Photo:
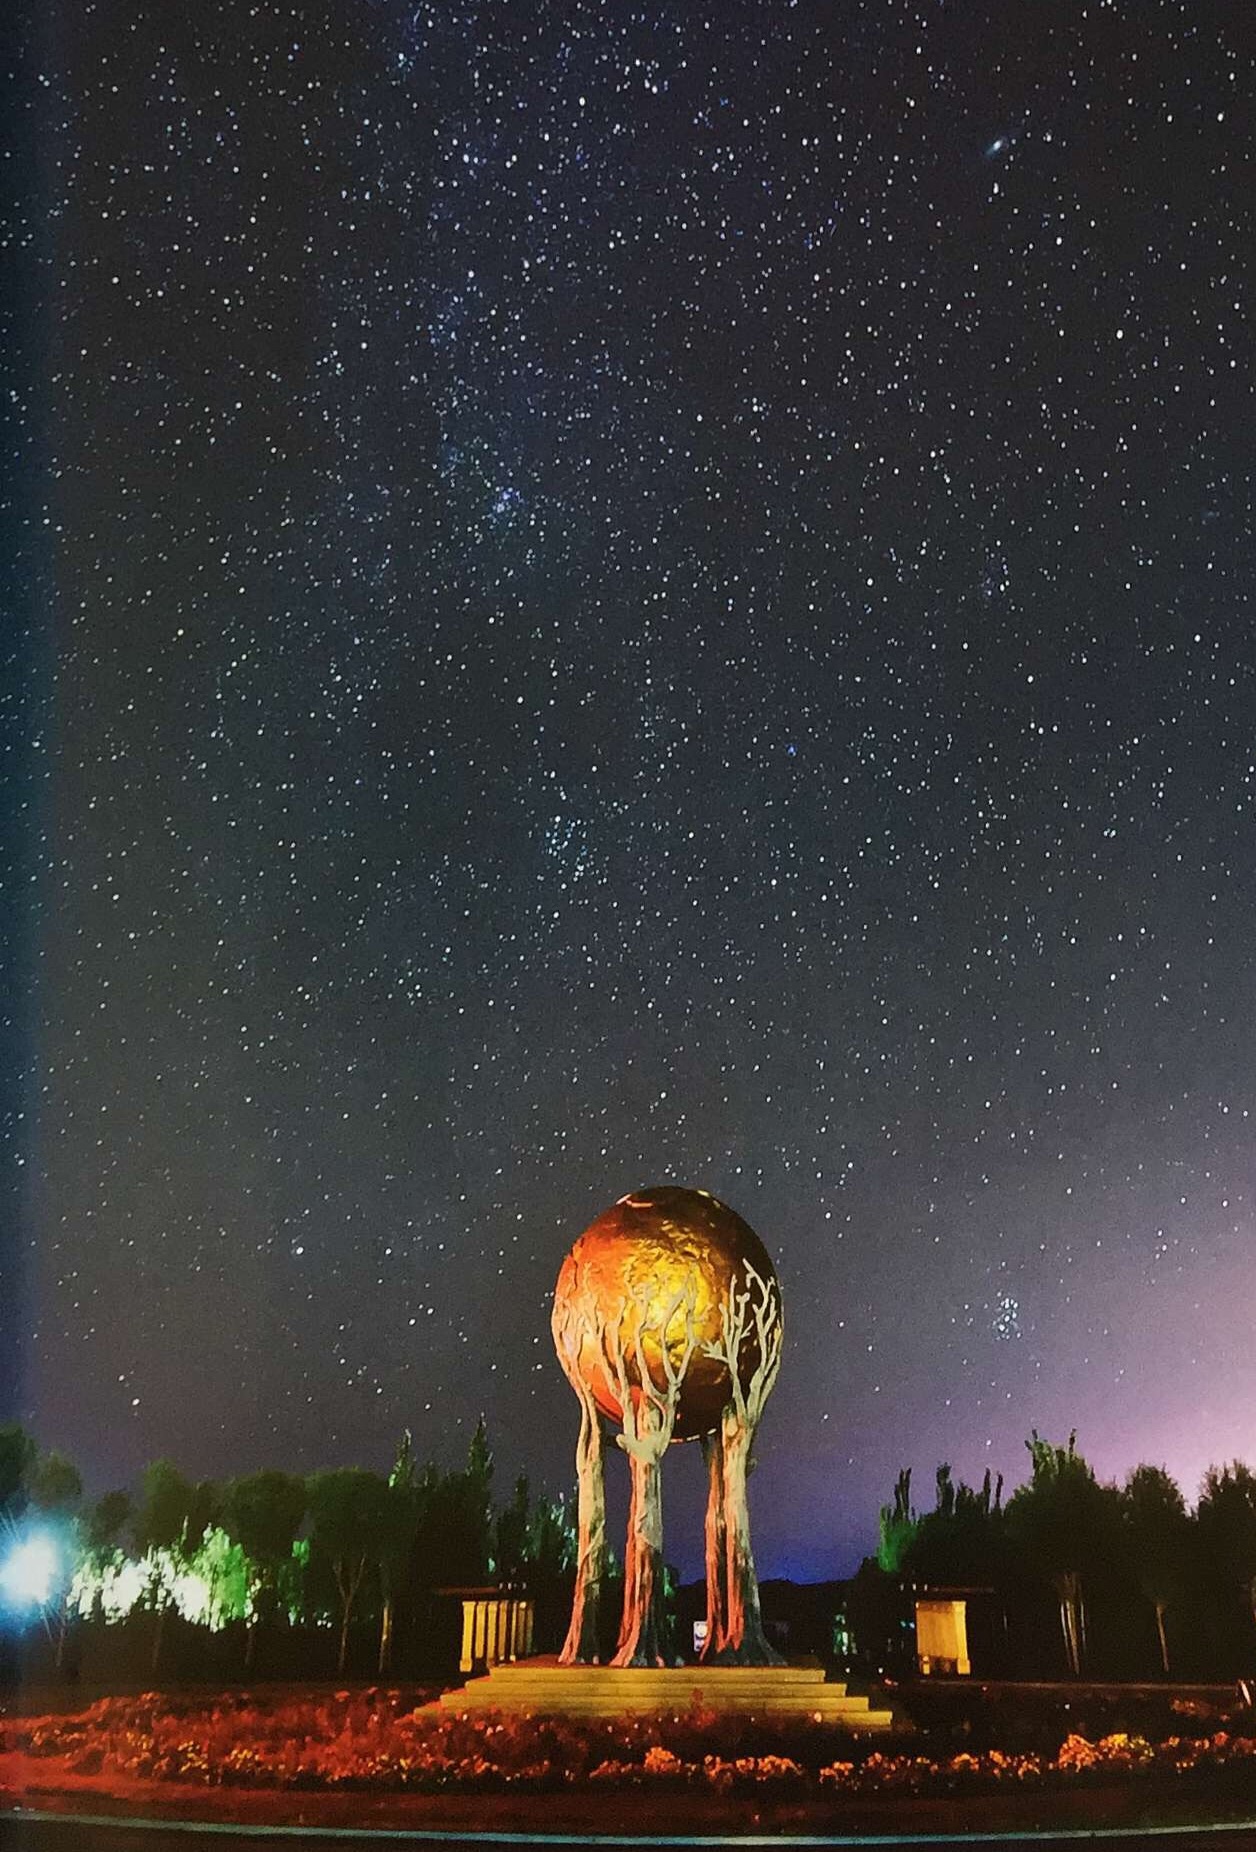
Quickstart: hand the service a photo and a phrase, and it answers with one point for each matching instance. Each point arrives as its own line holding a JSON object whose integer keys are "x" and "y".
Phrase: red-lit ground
{"x": 373, "y": 1758}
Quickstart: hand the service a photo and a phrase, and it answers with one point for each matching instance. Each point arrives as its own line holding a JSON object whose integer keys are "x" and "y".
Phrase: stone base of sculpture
{"x": 544, "y": 1688}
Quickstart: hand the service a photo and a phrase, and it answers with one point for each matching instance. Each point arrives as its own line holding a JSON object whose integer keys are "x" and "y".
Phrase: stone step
{"x": 662, "y": 1691}
{"x": 753, "y": 1697}
{"x": 542, "y": 1687}
{"x": 844, "y": 1715}
{"x": 671, "y": 1686}
{"x": 531, "y": 1669}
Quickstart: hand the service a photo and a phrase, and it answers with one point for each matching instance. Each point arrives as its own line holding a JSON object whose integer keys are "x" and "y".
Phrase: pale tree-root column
{"x": 581, "y": 1646}
{"x": 643, "y": 1629}
{"x": 715, "y": 1552}
{"x": 575, "y": 1326}
{"x": 744, "y": 1642}
{"x": 649, "y": 1421}
{"x": 750, "y": 1328}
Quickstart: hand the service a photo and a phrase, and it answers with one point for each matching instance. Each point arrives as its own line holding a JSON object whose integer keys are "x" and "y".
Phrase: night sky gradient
{"x": 624, "y": 594}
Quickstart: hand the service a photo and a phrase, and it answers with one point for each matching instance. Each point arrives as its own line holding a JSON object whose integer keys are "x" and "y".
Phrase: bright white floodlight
{"x": 28, "y": 1571}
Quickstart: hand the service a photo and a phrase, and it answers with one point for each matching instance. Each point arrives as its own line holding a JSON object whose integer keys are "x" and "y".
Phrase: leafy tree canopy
{"x": 55, "y": 1485}
{"x": 1152, "y": 1504}
{"x": 262, "y": 1513}
{"x": 961, "y": 1541}
{"x": 106, "y": 1522}
{"x": 160, "y": 1521}
{"x": 1064, "y": 1520}
{"x": 510, "y": 1534}
{"x": 1227, "y": 1522}
{"x": 17, "y": 1456}
{"x": 347, "y": 1507}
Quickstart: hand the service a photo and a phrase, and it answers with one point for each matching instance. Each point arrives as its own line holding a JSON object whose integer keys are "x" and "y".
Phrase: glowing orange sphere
{"x": 653, "y": 1273}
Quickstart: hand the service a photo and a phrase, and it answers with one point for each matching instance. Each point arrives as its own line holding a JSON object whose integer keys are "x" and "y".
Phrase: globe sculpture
{"x": 667, "y": 1322}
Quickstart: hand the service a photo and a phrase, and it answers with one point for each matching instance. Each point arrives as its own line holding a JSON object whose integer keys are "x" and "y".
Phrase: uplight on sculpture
{"x": 667, "y": 1322}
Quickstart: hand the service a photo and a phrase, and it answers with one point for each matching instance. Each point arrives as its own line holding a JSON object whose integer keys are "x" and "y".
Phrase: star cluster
{"x": 625, "y": 595}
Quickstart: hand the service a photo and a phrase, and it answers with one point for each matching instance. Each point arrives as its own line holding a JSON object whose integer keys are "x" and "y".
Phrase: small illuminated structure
{"x": 667, "y": 1323}
{"x": 942, "y": 1635}
{"x": 496, "y": 1626}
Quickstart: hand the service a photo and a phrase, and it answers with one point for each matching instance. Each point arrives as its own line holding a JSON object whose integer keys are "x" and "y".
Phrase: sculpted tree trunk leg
{"x": 642, "y": 1633}
{"x": 745, "y": 1642}
{"x": 628, "y": 1605}
{"x": 716, "y": 1547}
{"x": 581, "y": 1645}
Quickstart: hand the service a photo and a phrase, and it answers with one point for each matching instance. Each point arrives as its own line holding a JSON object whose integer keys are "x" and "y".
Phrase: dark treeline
{"x": 1075, "y": 1576}
{"x": 271, "y": 1574}
{"x": 275, "y": 1574}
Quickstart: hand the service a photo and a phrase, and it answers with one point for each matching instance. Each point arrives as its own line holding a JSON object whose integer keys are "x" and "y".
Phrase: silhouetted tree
{"x": 399, "y": 1526}
{"x": 54, "y": 1484}
{"x": 163, "y": 1523}
{"x": 478, "y": 1497}
{"x": 56, "y": 1491}
{"x": 453, "y": 1545}
{"x": 510, "y": 1534}
{"x": 550, "y": 1551}
{"x": 262, "y": 1512}
{"x": 962, "y": 1540}
{"x": 876, "y": 1610}
{"x": 348, "y": 1510}
{"x": 1157, "y": 1532}
{"x": 105, "y": 1524}
{"x": 1226, "y": 1520}
{"x": 17, "y": 1456}
{"x": 1066, "y": 1524}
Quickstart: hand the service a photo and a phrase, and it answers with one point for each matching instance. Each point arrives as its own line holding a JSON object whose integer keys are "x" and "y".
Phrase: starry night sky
{"x": 625, "y": 594}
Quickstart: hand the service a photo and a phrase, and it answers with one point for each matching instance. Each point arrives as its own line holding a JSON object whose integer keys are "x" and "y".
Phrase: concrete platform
{"x": 541, "y": 1687}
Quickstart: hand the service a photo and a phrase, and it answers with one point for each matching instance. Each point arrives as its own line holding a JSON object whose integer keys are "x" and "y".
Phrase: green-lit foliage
{"x": 167, "y": 1527}
{"x": 896, "y": 1526}
{"x": 552, "y": 1541}
{"x": 225, "y": 1574}
{"x": 160, "y": 1520}
{"x": 100, "y": 1544}
{"x": 262, "y": 1513}
{"x": 209, "y": 1587}
{"x": 55, "y": 1491}
{"x": 292, "y": 1583}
